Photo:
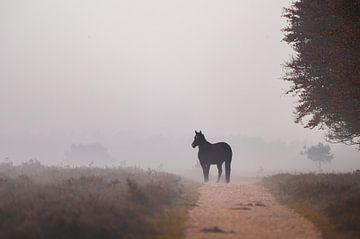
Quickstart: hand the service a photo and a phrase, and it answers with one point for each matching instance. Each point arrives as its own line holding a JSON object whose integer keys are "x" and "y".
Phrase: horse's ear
{"x": 200, "y": 132}
{"x": 196, "y": 132}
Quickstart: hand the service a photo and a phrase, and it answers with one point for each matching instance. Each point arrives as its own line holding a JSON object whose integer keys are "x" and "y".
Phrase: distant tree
{"x": 88, "y": 154}
{"x": 122, "y": 163}
{"x": 319, "y": 153}
{"x": 325, "y": 71}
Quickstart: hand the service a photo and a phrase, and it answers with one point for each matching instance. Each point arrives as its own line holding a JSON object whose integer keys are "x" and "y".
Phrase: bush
{"x": 55, "y": 202}
{"x": 336, "y": 197}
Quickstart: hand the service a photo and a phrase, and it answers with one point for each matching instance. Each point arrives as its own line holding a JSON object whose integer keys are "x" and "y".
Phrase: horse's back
{"x": 226, "y": 147}
{"x": 220, "y": 152}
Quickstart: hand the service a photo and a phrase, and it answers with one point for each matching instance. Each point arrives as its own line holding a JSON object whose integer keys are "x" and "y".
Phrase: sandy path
{"x": 244, "y": 211}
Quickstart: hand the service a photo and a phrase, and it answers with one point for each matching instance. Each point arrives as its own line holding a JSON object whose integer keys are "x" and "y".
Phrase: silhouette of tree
{"x": 325, "y": 71}
{"x": 89, "y": 153}
{"x": 319, "y": 153}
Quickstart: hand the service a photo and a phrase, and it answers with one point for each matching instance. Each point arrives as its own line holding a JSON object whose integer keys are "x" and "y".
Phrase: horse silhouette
{"x": 209, "y": 153}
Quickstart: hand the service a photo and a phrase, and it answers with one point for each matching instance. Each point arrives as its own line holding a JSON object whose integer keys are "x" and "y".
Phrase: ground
{"x": 246, "y": 211}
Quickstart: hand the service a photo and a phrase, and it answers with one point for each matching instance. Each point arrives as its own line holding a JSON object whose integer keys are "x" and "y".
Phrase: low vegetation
{"x": 37, "y": 201}
{"x": 330, "y": 201}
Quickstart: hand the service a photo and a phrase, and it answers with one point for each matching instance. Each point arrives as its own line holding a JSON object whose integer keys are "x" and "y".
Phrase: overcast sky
{"x": 149, "y": 67}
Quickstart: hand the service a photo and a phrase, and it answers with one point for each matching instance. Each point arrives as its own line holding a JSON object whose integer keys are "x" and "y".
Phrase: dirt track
{"x": 244, "y": 211}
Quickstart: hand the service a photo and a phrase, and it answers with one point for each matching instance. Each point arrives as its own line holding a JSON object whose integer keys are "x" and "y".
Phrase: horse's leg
{"x": 207, "y": 172}
{"x": 205, "y": 168}
{"x": 227, "y": 171}
{"x": 219, "y": 166}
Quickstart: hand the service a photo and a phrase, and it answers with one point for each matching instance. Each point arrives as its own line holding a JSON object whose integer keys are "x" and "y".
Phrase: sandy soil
{"x": 244, "y": 211}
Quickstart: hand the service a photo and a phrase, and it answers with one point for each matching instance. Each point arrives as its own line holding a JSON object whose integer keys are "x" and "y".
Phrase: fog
{"x": 128, "y": 82}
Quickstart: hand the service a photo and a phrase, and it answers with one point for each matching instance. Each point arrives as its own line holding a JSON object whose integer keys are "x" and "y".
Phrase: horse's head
{"x": 198, "y": 139}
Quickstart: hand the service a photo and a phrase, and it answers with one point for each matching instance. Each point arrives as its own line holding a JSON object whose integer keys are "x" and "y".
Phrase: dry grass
{"x": 330, "y": 201}
{"x": 102, "y": 203}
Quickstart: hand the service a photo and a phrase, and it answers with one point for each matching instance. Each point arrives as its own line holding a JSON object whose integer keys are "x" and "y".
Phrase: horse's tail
{"x": 228, "y": 163}
{"x": 227, "y": 170}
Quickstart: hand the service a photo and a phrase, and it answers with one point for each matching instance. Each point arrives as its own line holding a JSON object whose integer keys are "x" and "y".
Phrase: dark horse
{"x": 209, "y": 153}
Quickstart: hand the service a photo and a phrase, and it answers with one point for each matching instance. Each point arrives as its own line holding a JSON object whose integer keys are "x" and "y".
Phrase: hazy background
{"x": 127, "y": 82}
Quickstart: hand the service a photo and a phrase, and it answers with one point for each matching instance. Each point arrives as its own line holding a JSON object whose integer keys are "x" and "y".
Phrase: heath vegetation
{"x": 331, "y": 201}
{"x": 39, "y": 201}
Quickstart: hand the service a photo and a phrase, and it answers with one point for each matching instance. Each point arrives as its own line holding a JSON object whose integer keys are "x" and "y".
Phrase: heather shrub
{"x": 335, "y": 197}
{"x": 69, "y": 203}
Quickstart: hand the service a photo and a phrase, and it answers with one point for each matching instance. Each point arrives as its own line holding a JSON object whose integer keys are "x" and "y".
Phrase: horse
{"x": 209, "y": 153}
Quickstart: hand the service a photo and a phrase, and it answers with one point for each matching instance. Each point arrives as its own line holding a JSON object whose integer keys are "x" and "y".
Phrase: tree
{"x": 319, "y": 153}
{"x": 88, "y": 154}
{"x": 325, "y": 71}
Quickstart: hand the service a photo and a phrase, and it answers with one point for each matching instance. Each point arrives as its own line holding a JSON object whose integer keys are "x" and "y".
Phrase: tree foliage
{"x": 325, "y": 71}
{"x": 319, "y": 153}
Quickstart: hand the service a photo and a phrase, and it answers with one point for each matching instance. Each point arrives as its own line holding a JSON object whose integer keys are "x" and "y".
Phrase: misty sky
{"x": 149, "y": 67}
